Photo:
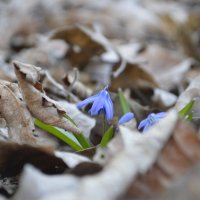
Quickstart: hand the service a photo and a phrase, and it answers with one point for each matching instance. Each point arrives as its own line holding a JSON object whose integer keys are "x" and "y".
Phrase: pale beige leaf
{"x": 15, "y": 113}
{"x": 192, "y": 92}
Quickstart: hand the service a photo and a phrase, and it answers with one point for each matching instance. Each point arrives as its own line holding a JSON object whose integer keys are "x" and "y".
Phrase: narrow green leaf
{"x": 58, "y": 134}
{"x": 107, "y": 137}
{"x": 69, "y": 118}
{"x": 186, "y": 110}
{"x": 123, "y": 102}
{"x": 189, "y": 117}
{"x": 83, "y": 141}
{"x": 80, "y": 137}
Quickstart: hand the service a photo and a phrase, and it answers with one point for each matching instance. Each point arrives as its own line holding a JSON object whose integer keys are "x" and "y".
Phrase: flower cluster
{"x": 102, "y": 103}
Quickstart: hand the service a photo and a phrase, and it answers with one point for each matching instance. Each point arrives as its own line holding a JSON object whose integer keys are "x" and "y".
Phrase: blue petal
{"x": 108, "y": 106}
{"x": 146, "y": 127}
{"x": 125, "y": 118}
{"x": 87, "y": 101}
{"x": 143, "y": 123}
{"x": 98, "y": 104}
{"x": 161, "y": 114}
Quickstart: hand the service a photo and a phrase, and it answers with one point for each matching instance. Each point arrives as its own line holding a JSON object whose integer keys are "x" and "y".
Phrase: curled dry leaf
{"x": 132, "y": 76}
{"x": 173, "y": 161}
{"x": 84, "y": 44}
{"x": 71, "y": 159}
{"x": 15, "y": 113}
{"x": 45, "y": 53}
{"x": 169, "y": 70}
{"x": 76, "y": 87}
{"x": 192, "y": 92}
{"x": 40, "y": 105}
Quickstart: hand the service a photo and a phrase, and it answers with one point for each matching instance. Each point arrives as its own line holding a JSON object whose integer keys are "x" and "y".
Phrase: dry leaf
{"x": 133, "y": 76}
{"x": 71, "y": 159}
{"x": 179, "y": 154}
{"x": 167, "y": 67}
{"x": 46, "y": 53}
{"x": 76, "y": 87}
{"x": 185, "y": 187}
{"x": 83, "y": 44}
{"x": 13, "y": 157}
{"x": 15, "y": 113}
{"x": 40, "y": 105}
{"x": 192, "y": 92}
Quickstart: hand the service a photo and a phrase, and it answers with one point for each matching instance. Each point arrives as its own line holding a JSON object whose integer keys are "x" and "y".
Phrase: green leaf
{"x": 83, "y": 141}
{"x": 123, "y": 102}
{"x": 189, "y": 117}
{"x": 80, "y": 137}
{"x": 69, "y": 118}
{"x": 57, "y": 132}
{"x": 108, "y": 135}
{"x": 186, "y": 112}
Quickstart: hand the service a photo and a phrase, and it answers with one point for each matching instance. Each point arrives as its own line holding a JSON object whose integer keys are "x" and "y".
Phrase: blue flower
{"x": 150, "y": 120}
{"x": 125, "y": 118}
{"x": 101, "y": 102}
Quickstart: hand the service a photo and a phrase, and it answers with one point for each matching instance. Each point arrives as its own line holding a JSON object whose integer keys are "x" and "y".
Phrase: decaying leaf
{"x": 76, "y": 87}
{"x": 132, "y": 76}
{"x": 185, "y": 187}
{"x": 167, "y": 67}
{"x": 174, "y": 160}
{"x": 14, "y": 111}
{"x": 13, "y": 157}
{"x": 83, "y": 44}
{"x": 192, "y": 92}
{"x": 45, "y": 53}
{"x": 40, "y": 105}
{"x": 71, "y": 159}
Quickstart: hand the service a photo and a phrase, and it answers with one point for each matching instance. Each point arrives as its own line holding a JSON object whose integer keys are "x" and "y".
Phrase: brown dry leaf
{"x": 83, "y": 44}
{"x": 179, "y": 154}
{"x": 75, "y": 86}
{"x": 186, "y": 187}
{"x": 15, "y": 113}
{"x": 13, "y": 157}
{"x": 46, "y": 53}
{"x": 133, "y": 76}
{"x": 180, "y": 33}
{"x": 40, "y": 105}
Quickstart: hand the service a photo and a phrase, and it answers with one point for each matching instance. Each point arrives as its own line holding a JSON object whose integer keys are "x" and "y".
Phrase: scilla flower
{"x": 126, "y": 118}
{"x": 150, "y": 120}
{"x": 101, "y": 102}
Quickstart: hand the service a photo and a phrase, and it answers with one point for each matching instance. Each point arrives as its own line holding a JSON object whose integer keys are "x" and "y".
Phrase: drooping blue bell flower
{"x": 101, "y": 103}
{"x": 126, "y": 118}
{"x": 151, "y": 120}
